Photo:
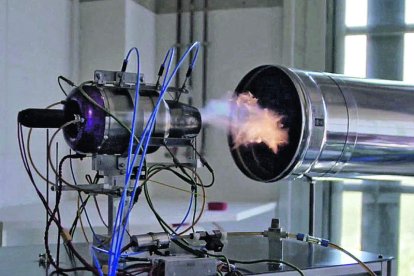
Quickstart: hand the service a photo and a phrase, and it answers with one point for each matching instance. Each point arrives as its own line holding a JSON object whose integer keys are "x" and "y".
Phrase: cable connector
{"x": 311, "y": 239}
{"x": 124, "y": 65}
{"x": 66, "y": 236}
{"x": 160, "y": 72}
{"x": 187, "y": 76}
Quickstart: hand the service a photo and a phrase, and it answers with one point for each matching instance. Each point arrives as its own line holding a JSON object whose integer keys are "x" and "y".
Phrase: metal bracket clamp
{"x": 213, "y": 239}
{"x": 116, "y": 78}
{"x": 275, "y": 234}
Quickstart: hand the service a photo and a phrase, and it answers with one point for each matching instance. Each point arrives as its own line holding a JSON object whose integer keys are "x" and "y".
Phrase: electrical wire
{"x": 99, "y": 211}
{"x": 268, "y": 261}
{"x": 170, "y": 186}
{"x": 81, "y": 208}
{"x": 326, "y": 243}
{"x": 144, "y": 139}
{"x": 205, "y": 163}
{"x": 58, "y": 187}
{"x": 117, "y": 236}
{"x": 361, "y": 263}
{"x": 62, "y": 231}
{"x": 187, "y": 213}
{"x": 152, "y": 172}
{"x": 147, "y": 133}
{"x": 29, "y": 154}
{"x": 65, "y": 80}
{"x": 79, "y": 216}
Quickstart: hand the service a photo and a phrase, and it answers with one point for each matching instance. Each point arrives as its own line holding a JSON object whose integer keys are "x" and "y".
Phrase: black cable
{"x": 205, "y": 163}
{"x": 82, "y": 208}
{"x": 65, "y": 80}
{"x": 26, "y": 165}
{"x": 78, "y": 214}
{"x": 195, "y": 194}
{"x": 62, "y": 271}
{"x": 55, "y": 211}
{"x": 58, "y": 210}
{"x": 136, "y": 265}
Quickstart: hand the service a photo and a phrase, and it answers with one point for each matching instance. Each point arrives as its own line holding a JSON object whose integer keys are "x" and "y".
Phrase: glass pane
{"x": 409, "y": 11}
{"x": 356, "y": 13}
{"x": 409, "y": 57}
{"x": 406, "y": 250}
{"x": 355, "y": 55}
{"x": 351, "y": 220}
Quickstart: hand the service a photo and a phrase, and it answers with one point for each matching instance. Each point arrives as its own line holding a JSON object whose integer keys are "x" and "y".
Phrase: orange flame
{"x": 253, "y": 124}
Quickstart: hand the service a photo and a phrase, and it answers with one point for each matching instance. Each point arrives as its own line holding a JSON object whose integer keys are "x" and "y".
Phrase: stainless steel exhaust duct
{"x": 338, "y": 126}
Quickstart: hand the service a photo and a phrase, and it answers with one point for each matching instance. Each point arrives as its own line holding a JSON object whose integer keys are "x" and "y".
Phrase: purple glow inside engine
{"x": 85, "y": 137}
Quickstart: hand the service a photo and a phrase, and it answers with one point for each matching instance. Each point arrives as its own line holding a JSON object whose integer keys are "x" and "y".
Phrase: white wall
{"x": 102, "y": 36}
{"x": 35, "y": 49}
{"x": 140, "y": 33}
{"x": 109, "y": 29}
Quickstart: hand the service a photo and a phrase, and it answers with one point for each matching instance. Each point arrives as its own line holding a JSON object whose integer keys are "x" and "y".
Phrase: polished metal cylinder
{"x": 338, "y": 126}
{"x": 100, "y": 133}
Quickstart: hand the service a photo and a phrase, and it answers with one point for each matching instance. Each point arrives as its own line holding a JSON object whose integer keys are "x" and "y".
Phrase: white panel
{"x": 356, "y": 13}
{"x": 355, "y": 55}
{"x": 140, "y": 33}
{"x": 409, "y": 11}
{"x": 409, "y": 57}
{"x": 352, "y": 214}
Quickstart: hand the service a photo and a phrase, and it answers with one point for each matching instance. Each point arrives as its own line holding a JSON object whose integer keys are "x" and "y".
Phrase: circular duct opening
{"x": 85, "y": 137}
{"x": 275, "y": 91}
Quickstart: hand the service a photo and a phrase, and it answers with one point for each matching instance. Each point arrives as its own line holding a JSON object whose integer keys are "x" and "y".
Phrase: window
{"x": 355, "y": 55}
{"x": 375, "y": 39}
{"x": 356, "y": 13}
{"x": 409, "y": 56}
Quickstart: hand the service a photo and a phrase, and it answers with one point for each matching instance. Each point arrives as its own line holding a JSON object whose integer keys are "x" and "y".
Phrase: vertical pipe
{"x": 191, "y": 36}
{"x": 75, "y": 37}
{"x": 385, "y": 61}
{"x": 288, "y": 44}
{"x": 204, "y": 73}
{"x": 178, "y": 40}
{"x": 311, "y": 207}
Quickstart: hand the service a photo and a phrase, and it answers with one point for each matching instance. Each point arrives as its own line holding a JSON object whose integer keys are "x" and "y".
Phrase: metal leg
{"x": 311, "y": 207}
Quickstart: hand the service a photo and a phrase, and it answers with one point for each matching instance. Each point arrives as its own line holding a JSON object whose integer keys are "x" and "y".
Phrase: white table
{"x": 25, "y": 224}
